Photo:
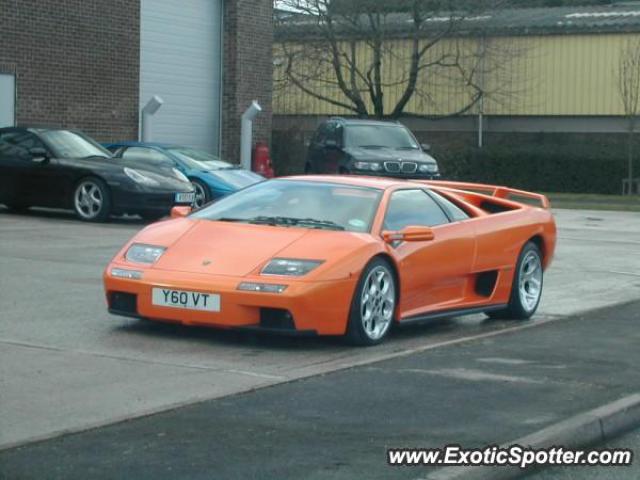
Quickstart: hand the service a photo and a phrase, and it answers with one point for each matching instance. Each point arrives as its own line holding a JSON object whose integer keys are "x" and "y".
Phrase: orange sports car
{"x": 339, "y": 255}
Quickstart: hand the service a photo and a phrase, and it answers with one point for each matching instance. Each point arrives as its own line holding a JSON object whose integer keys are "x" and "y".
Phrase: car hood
{"x": 385, "y": 154}
{"x": 164, "y": 175}
{"x": 240, "y": 249}
{"x": 233, "y": 178}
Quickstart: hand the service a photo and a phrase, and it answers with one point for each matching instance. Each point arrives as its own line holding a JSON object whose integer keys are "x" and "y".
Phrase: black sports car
{"x": 66, "y": 169}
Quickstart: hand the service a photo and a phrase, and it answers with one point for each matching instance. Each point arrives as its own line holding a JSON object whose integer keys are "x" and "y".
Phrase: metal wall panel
{"x": 568, "y": 75}
{"x": 180, "y": 61}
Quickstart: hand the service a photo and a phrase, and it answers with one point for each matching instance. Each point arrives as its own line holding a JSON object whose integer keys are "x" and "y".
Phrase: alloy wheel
{"x": 88, "y": 200}
{"x": 377, "y": 303}
{"x": 530, "y": 280}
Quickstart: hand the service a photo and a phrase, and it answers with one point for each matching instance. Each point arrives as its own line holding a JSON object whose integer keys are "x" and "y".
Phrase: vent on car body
{"x": 123, "y": 302}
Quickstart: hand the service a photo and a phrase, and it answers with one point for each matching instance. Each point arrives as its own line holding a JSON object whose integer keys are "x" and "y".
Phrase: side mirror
{"x": 179, "y": 212}
{"x": 425, "y": 147}
{"x": 38, "y": 155}
{"x": 409, "y": 234}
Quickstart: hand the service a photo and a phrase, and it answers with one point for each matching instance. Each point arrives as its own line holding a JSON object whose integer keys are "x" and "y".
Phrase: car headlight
{"x": 180, "y": 175}
{"x": 140, "y": 177}
{"x": 290, "y": 267}
{"x": 372, "y": 166}
{"x": 141, "y": 253}
{"x": 428, "y": 167}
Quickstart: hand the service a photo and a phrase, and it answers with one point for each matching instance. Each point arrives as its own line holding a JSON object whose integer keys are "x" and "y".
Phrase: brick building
{"x": 93, "y": 64}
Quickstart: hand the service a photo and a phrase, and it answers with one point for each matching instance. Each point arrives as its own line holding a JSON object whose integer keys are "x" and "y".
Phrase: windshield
{"x": 299, "y": 203}
{"x": 199, "y": 159}
{"x": 377, "y": 136}
{"x": 68, "y": 144}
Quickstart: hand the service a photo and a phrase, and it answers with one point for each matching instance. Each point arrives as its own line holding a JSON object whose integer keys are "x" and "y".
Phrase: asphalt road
{"x": 338, "y": 426}
{"x": 67, "y": 365}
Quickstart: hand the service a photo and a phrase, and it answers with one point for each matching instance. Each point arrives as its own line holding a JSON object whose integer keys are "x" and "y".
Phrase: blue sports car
{"x": 211, "y": 177}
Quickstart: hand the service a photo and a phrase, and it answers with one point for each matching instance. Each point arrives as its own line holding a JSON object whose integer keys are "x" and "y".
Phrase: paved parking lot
{"x": 66, "y": 365}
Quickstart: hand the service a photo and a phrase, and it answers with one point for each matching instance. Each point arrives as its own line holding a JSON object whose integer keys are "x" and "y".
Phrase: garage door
{"x": 7, "y": 100}
{"x": 180, "y": 47}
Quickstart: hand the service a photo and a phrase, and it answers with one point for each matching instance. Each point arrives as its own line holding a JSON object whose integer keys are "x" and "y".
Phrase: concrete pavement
{"x": 338, "y": 426}
{"x": 66, "y": 365}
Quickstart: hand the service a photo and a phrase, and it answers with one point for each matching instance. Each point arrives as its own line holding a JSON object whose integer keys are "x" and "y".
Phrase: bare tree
{"x": 347, "y": 53}
{"x": 629, "y": 91}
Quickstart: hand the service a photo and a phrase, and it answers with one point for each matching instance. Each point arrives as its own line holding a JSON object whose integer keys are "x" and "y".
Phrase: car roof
{"x": 363, "y": 121}
{"x": 381, "y": 183}
{"x": 142, "y": 144}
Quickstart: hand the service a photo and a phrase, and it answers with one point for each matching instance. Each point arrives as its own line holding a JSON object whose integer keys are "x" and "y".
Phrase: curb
{"x": 588, "y": 428}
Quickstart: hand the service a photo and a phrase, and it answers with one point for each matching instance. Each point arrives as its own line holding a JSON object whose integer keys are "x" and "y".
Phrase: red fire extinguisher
{"x": 262, "y": 160}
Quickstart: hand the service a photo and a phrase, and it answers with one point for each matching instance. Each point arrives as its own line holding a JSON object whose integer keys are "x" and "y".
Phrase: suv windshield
{"x": 198, "y": 159}
{"x": 391, "y": 136}
{"x": 292, "y": 203}
{"x": 68, "y": 144}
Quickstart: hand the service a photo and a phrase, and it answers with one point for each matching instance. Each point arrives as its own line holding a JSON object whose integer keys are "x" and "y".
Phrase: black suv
{"x": 369, "y": 147}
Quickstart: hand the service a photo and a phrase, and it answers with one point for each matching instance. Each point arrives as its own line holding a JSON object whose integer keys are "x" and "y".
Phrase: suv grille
{"x": 404, "y": 167}
{"x": 392, "y": 167}
{"x": 409, "y": 167}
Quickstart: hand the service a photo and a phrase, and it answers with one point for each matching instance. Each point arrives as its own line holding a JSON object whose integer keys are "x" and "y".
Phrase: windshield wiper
{"x": 407, "y": 148}
{"x": 229, "y": 219}
{"x": 296, "y": 222}
{"x": 94, "y": 156}
{"x": 372, "y": 146}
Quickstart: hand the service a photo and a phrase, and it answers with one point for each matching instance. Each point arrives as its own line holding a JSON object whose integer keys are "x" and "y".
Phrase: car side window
{"x": 413, "y": 208}
{"x": 321, "y": 136}
{"x": 334, "y": 133}
{"x": 144, "y": 153}
{"x": 455, "y": 213}
{"x": 17, "y": 143}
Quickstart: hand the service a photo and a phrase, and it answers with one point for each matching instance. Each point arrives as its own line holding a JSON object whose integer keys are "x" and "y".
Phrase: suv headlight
{"x": 371, "y": 166}
{"x": 140, "y": 177}
{"x": 428, "y": 168}
{"x": 142, "y": 253}
{"x": 290, "y": 266}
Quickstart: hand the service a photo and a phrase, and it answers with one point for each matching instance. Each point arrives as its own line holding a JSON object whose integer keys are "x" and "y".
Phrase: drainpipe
{"x": 483, "y": 53}
{"x": 147, "y": 112}
{"x": 246, "y": 134}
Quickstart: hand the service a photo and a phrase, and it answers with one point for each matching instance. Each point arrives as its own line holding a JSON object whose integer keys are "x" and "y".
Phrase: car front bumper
{"x": 303, "y": 308}
{"x": 131, "y": 201}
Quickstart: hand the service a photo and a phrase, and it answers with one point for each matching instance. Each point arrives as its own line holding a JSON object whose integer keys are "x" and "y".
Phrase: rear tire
{"x": 92, "y": 200}
{"x": 373, "y": 306}
{"x": 526, "y": 290}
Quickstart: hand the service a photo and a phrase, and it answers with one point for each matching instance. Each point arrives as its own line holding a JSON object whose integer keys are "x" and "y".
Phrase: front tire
{"x": 526, "y": 290}
{"x": 92, "y": 200}
{"x": 373, "y": 305}
{"x": 203, "y": 194}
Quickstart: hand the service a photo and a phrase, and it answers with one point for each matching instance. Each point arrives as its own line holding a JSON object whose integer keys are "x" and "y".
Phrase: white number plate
{"x": 185, "y": 197}
{"x": 166, "y": 297}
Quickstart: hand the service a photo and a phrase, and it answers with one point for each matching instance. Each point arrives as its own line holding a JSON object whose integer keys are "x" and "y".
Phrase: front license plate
{"x": 166, "y": 297}
{"x": 185, "y": 197}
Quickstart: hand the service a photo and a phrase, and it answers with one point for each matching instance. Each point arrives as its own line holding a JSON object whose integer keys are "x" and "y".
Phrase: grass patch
{"x": 589, "y": 201}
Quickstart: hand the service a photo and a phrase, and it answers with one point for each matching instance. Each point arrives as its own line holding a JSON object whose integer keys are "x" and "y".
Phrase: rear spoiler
{"x": 519, "y": 196}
